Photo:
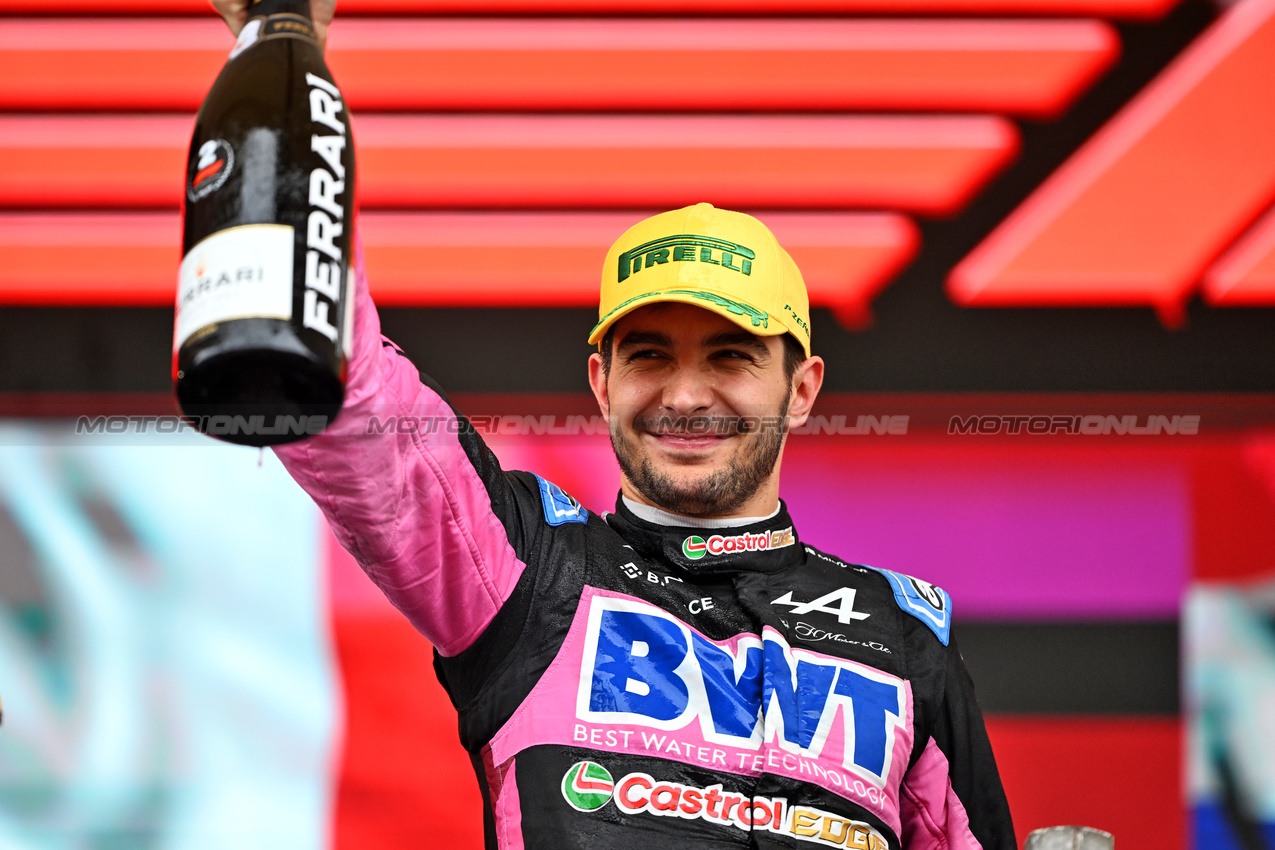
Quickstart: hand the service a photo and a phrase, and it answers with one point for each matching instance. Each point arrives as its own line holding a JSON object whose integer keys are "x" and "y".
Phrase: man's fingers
{"x": 234, "y": 12}
{"x": 322, "y": 12}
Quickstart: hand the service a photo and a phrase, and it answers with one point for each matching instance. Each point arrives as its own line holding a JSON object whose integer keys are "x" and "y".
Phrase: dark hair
{"x": 794, "y": 354}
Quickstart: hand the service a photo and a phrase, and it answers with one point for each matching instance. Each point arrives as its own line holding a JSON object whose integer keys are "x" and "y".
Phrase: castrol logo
{"x": 588, "y": 786}
{"x": 696, "y": 547}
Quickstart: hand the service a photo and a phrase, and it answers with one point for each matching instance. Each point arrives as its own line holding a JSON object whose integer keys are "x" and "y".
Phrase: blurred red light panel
{"x": 930, "y": 164}
{"x": 1141, "y": 211}
{"x": 435, "y": 259}
{"x": 1106, "y": 8}
{"x": 1026, "y": 67}
{"x": 1245, "y": 275}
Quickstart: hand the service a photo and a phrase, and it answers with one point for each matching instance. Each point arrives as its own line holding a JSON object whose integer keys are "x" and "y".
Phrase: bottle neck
{"x": 280, "y": 7}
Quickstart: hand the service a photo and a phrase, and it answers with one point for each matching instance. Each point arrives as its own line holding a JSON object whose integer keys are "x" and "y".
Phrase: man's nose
{"x": 688, "y": 390}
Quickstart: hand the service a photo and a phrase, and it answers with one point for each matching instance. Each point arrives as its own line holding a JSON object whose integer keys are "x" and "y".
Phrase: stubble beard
{"x": 721, "y": 491}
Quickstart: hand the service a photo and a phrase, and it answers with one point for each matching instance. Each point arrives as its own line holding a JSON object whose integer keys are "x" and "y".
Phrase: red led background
{"x": 503, "y": 144}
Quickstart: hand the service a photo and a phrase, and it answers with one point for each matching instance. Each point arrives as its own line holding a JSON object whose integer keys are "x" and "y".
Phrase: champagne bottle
{"x": 264, "y": 301}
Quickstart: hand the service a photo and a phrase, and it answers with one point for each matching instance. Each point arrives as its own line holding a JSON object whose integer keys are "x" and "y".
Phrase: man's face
{"x": 696, "y": 406}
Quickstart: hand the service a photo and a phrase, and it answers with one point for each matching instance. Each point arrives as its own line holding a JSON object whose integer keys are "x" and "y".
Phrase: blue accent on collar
{"x": 928, "y": 603}
{"x": 559, "y": 507}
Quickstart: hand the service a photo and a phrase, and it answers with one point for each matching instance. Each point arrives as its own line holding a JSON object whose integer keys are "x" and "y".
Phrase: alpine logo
{"x": 212, "y": 168}
{"x": 587, "y": 786}
{"x": 696, "y": 547}
{"x": 843, "y": 609}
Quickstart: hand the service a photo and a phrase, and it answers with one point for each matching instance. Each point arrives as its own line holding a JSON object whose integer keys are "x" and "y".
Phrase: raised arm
{"x": 407, "y": 486}
{"x": 411, "y": 491}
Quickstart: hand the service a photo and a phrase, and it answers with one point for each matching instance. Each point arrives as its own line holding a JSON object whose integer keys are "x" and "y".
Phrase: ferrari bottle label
{"x": 237, "y": 273}
{"x": 325, "y": 260}
{"x": 264, "y": 289}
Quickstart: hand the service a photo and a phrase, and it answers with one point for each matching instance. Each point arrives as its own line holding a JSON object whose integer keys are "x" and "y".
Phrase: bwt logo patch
{"x": 696, "y": 547}
{"x": 643, "y": 666}
{"x": 686, "y": 247}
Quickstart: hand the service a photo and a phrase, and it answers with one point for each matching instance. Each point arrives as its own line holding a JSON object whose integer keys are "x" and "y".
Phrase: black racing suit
{"x": 626, "y": 684}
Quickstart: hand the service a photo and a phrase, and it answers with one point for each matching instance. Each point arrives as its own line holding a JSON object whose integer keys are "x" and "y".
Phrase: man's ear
{"x": 806, "y": 381}
{"x": 598, "y": 383}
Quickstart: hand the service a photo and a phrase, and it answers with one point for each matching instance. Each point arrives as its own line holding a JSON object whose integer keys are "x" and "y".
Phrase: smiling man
{"x": 684, "y": 671}
{"x": 704, "y": 381}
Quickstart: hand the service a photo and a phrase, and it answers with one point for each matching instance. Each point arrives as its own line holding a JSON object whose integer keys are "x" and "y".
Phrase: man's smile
{"x": 682, "y": 442}
{"x": 695, "y": 435}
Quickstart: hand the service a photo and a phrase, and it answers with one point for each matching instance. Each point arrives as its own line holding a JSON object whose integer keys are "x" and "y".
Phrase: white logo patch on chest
{"x": 839, "y": 603}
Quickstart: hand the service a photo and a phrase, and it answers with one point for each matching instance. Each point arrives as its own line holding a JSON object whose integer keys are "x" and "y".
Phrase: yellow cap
{"x": 723, "y": 261}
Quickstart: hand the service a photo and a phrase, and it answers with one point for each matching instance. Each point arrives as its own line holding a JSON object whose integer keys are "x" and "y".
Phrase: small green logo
{"x": 694, "y": 547}
{"x": 587, "y": 786}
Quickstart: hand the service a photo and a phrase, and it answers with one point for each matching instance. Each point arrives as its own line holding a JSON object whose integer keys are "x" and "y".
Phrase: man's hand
{"x": 235, "y": 13}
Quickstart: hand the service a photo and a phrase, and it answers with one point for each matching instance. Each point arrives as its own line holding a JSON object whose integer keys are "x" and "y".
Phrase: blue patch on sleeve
{"x": 929, "y": 604}
{"x": 559, "y": 507}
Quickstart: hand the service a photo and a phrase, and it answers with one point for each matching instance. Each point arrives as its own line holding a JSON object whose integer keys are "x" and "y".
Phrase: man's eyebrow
{"x": 740, "y": 338}
{"x": 636, "y": 338}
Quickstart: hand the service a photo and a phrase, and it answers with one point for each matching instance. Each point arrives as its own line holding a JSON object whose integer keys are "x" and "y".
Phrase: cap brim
{"x": 748, "y": 317}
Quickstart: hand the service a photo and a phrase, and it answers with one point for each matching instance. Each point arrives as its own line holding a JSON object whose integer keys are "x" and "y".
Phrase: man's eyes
{"x": 723, "y": 354}
{"x": 645, "y": 354}
{"x": 734, "y": 354}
